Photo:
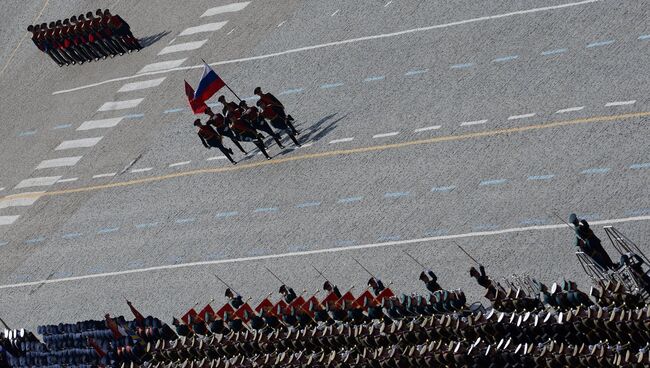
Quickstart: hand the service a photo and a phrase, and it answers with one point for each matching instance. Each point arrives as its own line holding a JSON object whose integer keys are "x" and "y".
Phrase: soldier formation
{"x": 84, "y": 38}
{"x": 242, "y": 123}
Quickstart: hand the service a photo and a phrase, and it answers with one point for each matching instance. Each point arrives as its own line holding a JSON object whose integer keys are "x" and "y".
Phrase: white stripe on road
{"x": 107, "y": 175}
{"x": 58, "y": 162}
{"x": 620, "y": 103}
{"x": 187, "y": 46}
{"x": 78, "y": 143}
{"x": 341, "y": 140}
{"x": 99, "y": 124}
{"x": 181, "y": 163}
{"x": 523, "y": 116}
{"x": 384, "y": 135}
{"x": 68, "y": 180}
{"x": 225, "y": 9}
{"x": 570, "y": 109}
{"x": 20, "y": 201}
{"x": 161, "y": 66}
{"x": 45, "y": 181}
{"x": 209, "y": 27}
{"x": 8, "y": 220}
{"x": 142, "y": 170}
{"x": 475, "y": 122}
{"x": 396, "y": 243}
{"x": 433, "y": 127}
{"x": 342, "y": 42}
{"x": 215, "y": 158}
{"x": 136, "y": 86}
{"x": 120, "y": 105}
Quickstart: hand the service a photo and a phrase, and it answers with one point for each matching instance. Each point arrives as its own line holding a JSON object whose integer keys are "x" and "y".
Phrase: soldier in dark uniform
{"x": 234, "y": 300}
{"x": 267, "y": 99}
{"x": 287, "y": 293}
{"x": 328, "y": 286}
{"x": 210, "y": 138}
{"x": 430, "y": 281}
{"x": 376, "y": 285}
{"x": 481, "y": 277}
{"x": 589, "y": 243}
{"x": 251, "y": 115}
{"x": 218, "y": 121}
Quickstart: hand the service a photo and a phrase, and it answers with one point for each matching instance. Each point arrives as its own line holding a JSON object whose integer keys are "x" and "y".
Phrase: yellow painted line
{"x": 239, "y": 167}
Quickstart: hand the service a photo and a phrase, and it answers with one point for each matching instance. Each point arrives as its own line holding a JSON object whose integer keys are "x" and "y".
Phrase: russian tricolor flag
{"x": 209, "y": 84}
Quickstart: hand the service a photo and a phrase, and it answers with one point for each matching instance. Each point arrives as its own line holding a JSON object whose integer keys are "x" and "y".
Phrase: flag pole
{"x": 225, "y": 84}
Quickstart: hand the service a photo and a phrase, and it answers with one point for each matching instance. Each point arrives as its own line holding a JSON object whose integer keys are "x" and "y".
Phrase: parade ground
{"x": 424, "y": 126}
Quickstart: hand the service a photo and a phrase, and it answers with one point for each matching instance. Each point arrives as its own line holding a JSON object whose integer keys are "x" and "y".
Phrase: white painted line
{"x": 180, "y": 163}
{"x": 341, "y": 140}
{"x": 225, "y": 9}
{"x": 396, "y": 243}
{"x": 120, "y": 105}
{"x": 78, "y": 143}
{"x": 231, "y": 31}
{"x": 384, "y": 135}
{"x": 208, "y": 27}
{"x": 307, "y": 145}
{"x": 523, "y": 116}
{"x": 1, "y": 189}
{"x": 281, "y": 23}
{"x": 215, "y": 158}
{"x": 107, "y": 175}
{"x": 8, "y": 220}
{"x": 45, "y": 181}
{"x": 142, "y": 170}
{"x": 336, "y": 12}
{"x": 171, "y": 41}
{"x": 136, "y": 86}
{"x": 67, "y": 180}
{"x": 58, "y": 162}
{"x": 620, "y": 103}
{"x": 570, "y": 109}
{"x": 20, "y": 201}
{"x": 433, "y": 127}
{"x": 168, "y": 69}
{"x": 99, "y": 124}
{"x": 388, "y": 3}
{"x": 187, "y": 46}
{"x": 161, "y": 66}
{"x": 475, "y": 122}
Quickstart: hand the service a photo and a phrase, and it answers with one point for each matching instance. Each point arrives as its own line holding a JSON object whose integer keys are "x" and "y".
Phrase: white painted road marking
{"x": 570, "y": 109}
{"x": 142, "y": 170}
{"x": 433, "y": 127}
{"x": 120, "y": 105}
{"x": 208, "y": 27}
{"x": 384, "y": 135}
{"x": 476, "y": 122}
{"x": 523, "y": 116}
{"x": 341, "y": 140}
{"x": 78, "y": 143}
{"x": 336, "y": 43}
{"x": 161, "y": 66}
{"x": 620, "y": 103}
{"x": 38, "y": 182}
{"x": 187, "y": 46}
{"x": 397, "y": 243}
{"x": 215, "y": 158}
{"x": 8, "y": 220}
{"x": 20, "y": 202}
{"x": 68, "y": 180}
{"x": 99, "y": 124}
{"x": 135, "y": 86}
{"x": 107, "y": 175}
{"x": 181, "y": 163}
{"x": 281, "y": 23}
{"x": 58, "y": 162}
{"x": 225, "y": 9}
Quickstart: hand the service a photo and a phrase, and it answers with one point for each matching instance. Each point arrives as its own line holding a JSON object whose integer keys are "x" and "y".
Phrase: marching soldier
{"x": 219, "y": 123}
{"x": 287, "y": 293}
{"x": 376, "y": 285}
{"x": 251, "y": 115}
{"x": 328, "y": 286}
{"x": 589, "y": 243}
{"x": 481, "y": 277}
{"x": 210, "y": 138}
{"x": 267, "y": 99}
{"x": 234, "y": 300}
{"x": 246, "y": 133}
{"x": 430, "y": 281}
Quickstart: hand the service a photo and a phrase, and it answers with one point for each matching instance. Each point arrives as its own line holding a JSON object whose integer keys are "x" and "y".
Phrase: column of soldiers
{"x": 242, "y": 123}
{"x": 84, "y": 38}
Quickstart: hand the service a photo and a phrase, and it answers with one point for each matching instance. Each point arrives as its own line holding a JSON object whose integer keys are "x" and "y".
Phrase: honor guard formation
{"x": 242, "y": 123}
{"x": 84, "y": 38}
{"x": 527, "y": 324}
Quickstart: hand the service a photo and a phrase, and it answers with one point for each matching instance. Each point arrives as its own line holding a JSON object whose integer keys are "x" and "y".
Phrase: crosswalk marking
{"x": 135, "y": 86}
{"x": 225, "y": 9}
{"x": 38, "y": 182}
{"x": 120, "y": 105}
{"x": 58, "y": 162}
{"x": 209, "y": 27}
{"x": 8, "y": 220}
{"x": 78, "y": 143}
{"x": 187, "y": 46}
{"x": 163, "y": 65}
{"x": 20, "y": 201}
{"x": 97, "y": 124}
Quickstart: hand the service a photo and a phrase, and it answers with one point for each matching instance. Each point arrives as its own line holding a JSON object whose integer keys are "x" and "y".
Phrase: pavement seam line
{"x": 449, "y": 138}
